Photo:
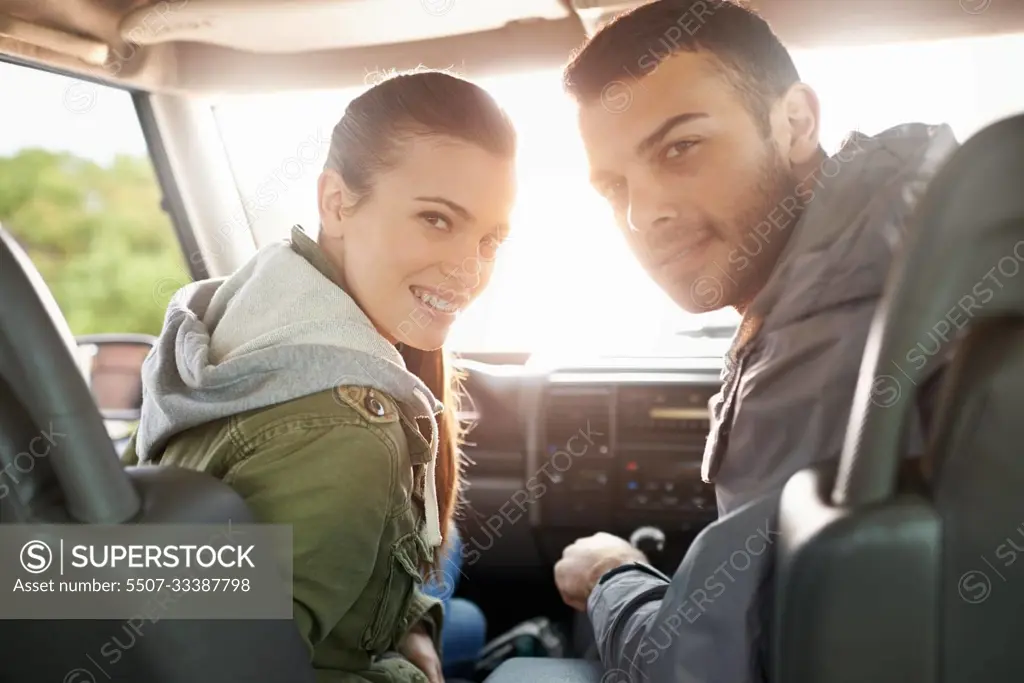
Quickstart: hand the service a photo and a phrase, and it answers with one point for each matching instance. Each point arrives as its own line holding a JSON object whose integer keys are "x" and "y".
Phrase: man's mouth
{"x": 686, "y": 250}
{"x": 433, "y": 300}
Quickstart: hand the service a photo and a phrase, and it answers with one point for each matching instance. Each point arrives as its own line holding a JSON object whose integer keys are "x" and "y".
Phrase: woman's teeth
{"x": 435, "y": 302}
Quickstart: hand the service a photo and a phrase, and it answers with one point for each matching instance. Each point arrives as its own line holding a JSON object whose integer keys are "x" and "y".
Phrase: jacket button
{"x": 374, "y": 406}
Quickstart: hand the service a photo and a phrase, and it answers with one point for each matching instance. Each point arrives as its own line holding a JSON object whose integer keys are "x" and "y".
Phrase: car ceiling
{"x": 234, "y": 46}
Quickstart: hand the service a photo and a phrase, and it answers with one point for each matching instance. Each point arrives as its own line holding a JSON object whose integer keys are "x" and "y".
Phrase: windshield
{"x": 566, "y": 279}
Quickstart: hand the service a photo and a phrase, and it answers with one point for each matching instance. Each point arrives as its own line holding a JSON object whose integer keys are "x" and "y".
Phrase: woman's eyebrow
{"x": 462, "y": 211}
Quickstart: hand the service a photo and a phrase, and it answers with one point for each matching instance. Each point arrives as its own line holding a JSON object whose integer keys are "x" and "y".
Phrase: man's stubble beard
{"x": 763, "y": 239}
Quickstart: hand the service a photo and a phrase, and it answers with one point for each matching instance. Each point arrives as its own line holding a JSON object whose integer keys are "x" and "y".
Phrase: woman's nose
{"x": 467, "y": 267}
{"x": 464, "y": 278}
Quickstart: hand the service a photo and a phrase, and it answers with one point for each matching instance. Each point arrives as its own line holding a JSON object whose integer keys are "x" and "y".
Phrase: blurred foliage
{"x": 97, "y": 235}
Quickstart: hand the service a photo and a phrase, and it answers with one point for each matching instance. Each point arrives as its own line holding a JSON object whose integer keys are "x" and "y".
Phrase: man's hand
{"x": 584, "y": 562}
{"x": 418, "y": 648}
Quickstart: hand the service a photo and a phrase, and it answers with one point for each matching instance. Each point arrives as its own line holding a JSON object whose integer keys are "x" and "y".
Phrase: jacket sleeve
{"x": 430, "y": 612}
{"x": 337, "y": 507}
{"x": 703, "y": 626}
{"x": 129, "y": 457}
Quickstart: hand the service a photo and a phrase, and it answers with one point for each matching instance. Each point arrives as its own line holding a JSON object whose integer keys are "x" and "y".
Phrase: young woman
{"x": 465, "y": 626}
{"x": 313, "y": 382}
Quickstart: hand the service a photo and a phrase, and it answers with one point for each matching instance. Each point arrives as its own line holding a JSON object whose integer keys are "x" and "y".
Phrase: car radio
{"x": 619, "y": 456}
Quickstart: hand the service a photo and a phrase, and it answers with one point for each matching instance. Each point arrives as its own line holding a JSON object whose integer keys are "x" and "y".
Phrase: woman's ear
{"x": 331, "y": 197}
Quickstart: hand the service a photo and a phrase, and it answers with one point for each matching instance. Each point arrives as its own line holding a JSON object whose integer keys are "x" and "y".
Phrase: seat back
{"x": 889, "y": 578}
{"x": 81, "y": 481}
{"x": 979, "y": 495}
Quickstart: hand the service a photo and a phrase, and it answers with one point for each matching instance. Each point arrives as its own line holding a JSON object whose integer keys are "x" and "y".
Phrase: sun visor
{"x": 283, "y": 27}
{"x": 33, "y": 35}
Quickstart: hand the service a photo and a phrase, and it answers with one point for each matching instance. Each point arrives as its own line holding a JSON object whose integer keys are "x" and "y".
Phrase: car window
{"x": 79, "y": 194}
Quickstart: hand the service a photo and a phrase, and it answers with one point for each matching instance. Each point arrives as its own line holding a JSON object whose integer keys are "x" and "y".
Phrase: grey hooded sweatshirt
{"x": 788, "y": 384}
{"x": 275, "y": 330}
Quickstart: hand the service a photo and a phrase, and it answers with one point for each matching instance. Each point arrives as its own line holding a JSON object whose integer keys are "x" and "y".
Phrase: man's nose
{"x": 650, "y": 206}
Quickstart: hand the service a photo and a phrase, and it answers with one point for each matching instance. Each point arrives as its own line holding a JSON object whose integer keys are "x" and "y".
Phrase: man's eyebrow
{"x": 664, "y": 129}
{"x": 462, "y": 211}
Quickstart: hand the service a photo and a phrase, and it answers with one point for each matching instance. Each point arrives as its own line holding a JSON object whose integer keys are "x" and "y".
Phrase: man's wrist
{"x": 609, "y": 563}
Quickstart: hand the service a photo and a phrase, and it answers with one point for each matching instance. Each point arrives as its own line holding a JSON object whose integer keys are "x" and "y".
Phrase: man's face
{"x": 692, "y": 180}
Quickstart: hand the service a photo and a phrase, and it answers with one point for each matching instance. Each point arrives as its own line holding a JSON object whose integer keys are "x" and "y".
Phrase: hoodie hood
{"x": 855, "y": 210}
{"x": 276, "y": 330}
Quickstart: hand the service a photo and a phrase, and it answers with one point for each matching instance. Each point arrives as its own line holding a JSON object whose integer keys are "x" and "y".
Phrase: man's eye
{"x": 612, "y": 191}
{"x": 677, "y": 149}
{"x": 436, "y": 220}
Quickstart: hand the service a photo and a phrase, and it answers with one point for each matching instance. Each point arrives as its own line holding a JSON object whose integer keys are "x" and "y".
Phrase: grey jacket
{"x": 788, "y": 383}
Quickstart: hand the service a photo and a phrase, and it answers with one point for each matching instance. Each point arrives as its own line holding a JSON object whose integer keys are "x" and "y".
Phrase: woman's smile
{"x": 434, "y": 302}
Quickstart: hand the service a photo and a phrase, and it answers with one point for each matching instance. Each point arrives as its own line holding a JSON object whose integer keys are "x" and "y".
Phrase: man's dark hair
{"x": 634, "y": 43}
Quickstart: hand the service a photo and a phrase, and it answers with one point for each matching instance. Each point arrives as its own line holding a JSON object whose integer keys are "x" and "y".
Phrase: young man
{"x": 704, "y": 141}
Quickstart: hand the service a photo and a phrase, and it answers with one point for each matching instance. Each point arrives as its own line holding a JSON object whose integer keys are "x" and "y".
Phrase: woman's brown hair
{"x": 367, "y": 141}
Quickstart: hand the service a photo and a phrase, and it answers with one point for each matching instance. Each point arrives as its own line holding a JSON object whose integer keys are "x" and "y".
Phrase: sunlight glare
{"x": 566, "y": 281}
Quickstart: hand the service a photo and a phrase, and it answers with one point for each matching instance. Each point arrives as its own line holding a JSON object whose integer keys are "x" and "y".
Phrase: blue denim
{"x": 465, "y": 627}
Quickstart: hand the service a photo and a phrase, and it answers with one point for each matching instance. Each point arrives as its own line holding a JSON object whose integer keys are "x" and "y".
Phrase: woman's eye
{"x": 677, "y": 149}
{"x": 437, "y": 220}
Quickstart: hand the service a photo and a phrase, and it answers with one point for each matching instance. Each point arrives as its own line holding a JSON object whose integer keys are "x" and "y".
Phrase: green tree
{"x": 97, "y": 235}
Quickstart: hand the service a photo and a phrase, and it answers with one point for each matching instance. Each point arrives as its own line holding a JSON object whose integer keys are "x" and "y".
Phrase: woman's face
{"x": 421, "y": 246}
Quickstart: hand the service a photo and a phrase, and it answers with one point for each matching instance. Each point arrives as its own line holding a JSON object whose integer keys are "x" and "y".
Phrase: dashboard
{"x": 556, "y": 454}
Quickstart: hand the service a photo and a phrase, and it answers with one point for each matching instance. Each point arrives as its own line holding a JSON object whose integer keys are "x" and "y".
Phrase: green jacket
{"x": 345, "y": 469}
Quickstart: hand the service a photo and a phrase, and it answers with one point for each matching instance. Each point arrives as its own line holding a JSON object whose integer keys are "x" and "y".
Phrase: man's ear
{"x": 799, "y": 113}
{"x": 331, "y": 197}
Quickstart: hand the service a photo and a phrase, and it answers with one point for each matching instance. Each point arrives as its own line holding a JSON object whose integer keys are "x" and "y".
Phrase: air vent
{"x": 574, "y": 414}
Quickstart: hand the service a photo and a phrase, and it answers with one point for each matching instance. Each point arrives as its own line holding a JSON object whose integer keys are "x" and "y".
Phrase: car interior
{"x": 878, "y": 577}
